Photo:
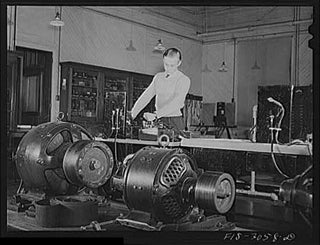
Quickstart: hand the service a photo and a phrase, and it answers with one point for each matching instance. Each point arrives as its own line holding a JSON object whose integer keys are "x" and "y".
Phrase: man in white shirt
{"x": 170, "y": 88}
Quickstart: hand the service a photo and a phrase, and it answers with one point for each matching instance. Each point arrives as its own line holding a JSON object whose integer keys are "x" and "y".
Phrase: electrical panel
{"x": 83, "y": 94}
{"x": 115, "y": 103}
{"x": 302, "y": 113}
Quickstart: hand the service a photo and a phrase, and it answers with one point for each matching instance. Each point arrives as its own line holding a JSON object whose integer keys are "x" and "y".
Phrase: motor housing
{"x": 167, "y": 184}
{"x": 51, "y": 156}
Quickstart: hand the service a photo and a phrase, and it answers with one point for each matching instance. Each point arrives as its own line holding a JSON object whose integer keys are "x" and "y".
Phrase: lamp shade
{"x": 130, "y": 47}
{"x": 255, "y": 66}
{"x": 57, "y": 21}
{"x": 223, "y": 67}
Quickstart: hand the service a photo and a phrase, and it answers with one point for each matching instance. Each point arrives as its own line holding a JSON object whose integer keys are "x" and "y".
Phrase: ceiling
{"x": 192, "y": 21}
{"x": 213, "y": 18}
{"x": 196, "y": 16}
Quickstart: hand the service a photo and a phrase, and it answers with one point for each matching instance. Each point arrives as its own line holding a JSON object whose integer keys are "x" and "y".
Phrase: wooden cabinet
{"x": 80, "y": 93}
{"x": 91, "y": 96}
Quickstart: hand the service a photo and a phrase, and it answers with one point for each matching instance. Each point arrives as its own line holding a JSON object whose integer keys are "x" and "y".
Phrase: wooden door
{"x": 34, "y": 92}
{"x": 14, "y": 76}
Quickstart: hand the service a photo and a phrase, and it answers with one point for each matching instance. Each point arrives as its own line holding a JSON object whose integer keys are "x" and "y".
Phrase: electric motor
{"x": 298, "y": 191}
{"x": 59, "y": 157}
{"x": 168, "y": 184}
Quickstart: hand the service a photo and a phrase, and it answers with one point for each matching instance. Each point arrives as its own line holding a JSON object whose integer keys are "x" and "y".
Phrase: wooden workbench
{"x": 222, "y": 144}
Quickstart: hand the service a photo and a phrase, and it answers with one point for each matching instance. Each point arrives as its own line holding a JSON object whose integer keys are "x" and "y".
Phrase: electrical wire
{"x": 274, "y": 159}
{"x": 112, "y": 124}
{"x": 20, "y": 186}
{"x": 305, "y": 219}
{"x": 82, "y": 189}
{"x": 279, "y": 124}
{"x": 251, "y": 131}
{"x": 281, "y": 113}
{"x": 310, "y": 153}
{"x": 115, "y": 137}
{"x": 300, "y": 142}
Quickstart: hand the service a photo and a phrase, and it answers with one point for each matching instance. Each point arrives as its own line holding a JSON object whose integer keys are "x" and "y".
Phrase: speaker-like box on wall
{"x": 230, "y": 113}
{"x": 207, "y": 113}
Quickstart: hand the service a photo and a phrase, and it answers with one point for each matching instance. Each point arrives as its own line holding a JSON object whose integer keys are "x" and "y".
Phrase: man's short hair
{"x": 171, "y": 52}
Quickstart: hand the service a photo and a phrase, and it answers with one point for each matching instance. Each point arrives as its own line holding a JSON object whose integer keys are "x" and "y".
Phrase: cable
{"x": 115, "y": 136}
{"x": 251, "y": 131}
{"x": 310, "y": 153}
{"x": 112, "y": 124}
{"x": 273, "y": 158}
{"x": 300, "y": 142}
{"x": 20, "y": 186}
{"x": 272, "y": 100}
{"x": 110, "y": 134}
{"x": 305, "y": 219}
{"x": 279, "y": 124}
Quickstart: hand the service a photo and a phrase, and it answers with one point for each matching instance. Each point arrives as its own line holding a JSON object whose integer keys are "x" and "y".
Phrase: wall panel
{"x": 305, "y": 61}
{"x": 217, "y": 86}
{"x": 274, "y": 58}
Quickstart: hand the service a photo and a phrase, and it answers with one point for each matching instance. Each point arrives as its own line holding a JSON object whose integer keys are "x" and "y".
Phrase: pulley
{"x": 298, "y": 191}
{"x": 215, "y": 191}
{"x": 88, "y": 163}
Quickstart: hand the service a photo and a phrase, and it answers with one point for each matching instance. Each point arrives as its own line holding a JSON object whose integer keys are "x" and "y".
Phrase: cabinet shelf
{"x": 84, "y": 86}
{"x": 89, "y": 94}
{"x": 83, "y": 98}
{"x": 86, "y": 78}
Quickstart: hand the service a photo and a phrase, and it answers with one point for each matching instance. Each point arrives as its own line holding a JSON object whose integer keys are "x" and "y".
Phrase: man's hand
{"x": 149, "y": 116}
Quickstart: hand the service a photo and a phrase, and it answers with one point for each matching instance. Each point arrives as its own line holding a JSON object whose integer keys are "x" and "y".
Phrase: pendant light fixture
{"x": 256, "y": 66}
{"x": 159, "y": 48}
{"x": 131, "y": 47}
{"x": 206, "y": 68}
{"x": 223, "y": 67}
{"x": 57, "y": 21}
